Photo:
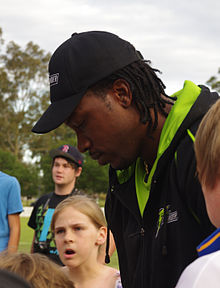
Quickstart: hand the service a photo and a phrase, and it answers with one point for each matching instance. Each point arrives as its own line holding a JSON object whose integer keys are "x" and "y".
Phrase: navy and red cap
{"x": 68, "y": 152}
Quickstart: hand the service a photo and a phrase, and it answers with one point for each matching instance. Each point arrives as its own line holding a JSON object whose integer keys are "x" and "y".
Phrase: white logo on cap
{"x": 53, "y": 79}
{"x": 65, "y": 148}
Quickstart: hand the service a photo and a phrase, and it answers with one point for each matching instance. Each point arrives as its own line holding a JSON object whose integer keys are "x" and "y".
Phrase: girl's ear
{"x": 102, "y": 234}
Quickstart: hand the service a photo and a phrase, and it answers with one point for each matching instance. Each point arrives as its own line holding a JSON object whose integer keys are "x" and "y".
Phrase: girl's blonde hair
{"x": 36, "y": 269}
{"x": 207, "y": 146}
{"x": 84, "y": 204}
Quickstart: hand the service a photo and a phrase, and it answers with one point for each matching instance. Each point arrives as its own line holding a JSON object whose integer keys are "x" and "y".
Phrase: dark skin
{"x": 110, "y": 128}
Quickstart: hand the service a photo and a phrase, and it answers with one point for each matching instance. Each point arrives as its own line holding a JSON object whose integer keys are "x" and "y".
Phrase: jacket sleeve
{"x": 188, "y": 182}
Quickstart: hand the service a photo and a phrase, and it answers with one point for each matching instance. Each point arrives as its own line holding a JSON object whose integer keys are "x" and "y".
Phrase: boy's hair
{"x": 36, "y": 269}
{"x": 207, "y": 146}
{"x": 73, "y": 164}
{"x": 83, "y": 204}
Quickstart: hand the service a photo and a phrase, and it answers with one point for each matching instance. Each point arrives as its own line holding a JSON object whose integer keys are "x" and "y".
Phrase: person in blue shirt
{"x": 205, "y": 271}
{"x": 10, "y": 209}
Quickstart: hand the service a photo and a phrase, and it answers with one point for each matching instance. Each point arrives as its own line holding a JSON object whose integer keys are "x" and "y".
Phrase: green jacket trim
{"x": 191, "y": 135}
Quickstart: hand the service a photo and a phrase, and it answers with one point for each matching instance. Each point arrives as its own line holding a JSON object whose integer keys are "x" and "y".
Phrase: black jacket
{"x": 154, "y": 249}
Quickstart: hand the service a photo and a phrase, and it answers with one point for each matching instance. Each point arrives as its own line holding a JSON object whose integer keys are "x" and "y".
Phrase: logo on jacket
{"x": 171, "y": 216}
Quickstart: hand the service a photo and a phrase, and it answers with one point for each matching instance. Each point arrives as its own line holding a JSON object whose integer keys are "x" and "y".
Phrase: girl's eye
{"x": 59, "y": 231}
{"x": 78, "y": 228}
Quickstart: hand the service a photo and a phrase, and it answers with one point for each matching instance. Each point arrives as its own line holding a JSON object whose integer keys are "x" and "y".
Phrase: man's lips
{"x": 102, "y": 158}
{"x": 95, "y": 155}
{"x": 59, "y": 177}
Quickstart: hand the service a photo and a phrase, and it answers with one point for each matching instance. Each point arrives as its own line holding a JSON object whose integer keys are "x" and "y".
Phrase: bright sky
{"x": 181, "y": 38}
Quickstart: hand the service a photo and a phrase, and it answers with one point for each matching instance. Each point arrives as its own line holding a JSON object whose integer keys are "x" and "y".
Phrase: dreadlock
{"x": 147, "y": 89}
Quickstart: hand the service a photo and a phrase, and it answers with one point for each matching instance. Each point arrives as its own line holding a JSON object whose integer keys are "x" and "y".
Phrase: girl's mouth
{"x": 69, "y": 253}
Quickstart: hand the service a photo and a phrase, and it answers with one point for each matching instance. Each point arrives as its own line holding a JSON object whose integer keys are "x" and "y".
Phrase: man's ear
{"x": 122, "y": 92}
{"x": 102, "y": 234}
{"x": 78, "y": 171}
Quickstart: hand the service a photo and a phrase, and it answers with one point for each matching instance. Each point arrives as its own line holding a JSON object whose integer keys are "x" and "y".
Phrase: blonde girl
{"x": 79, "y": 229}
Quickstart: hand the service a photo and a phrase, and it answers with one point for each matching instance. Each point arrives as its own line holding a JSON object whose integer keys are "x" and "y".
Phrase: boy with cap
{"x": 66, "y": 168}
{"x": 104, "y": 90}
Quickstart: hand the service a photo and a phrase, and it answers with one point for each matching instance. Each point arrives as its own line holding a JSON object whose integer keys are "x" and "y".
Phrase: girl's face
{"x": 77, "y": 238}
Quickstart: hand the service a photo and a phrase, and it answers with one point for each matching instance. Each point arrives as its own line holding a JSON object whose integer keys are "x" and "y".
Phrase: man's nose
{"x": 60, "y": 168}
{"x": 83, "y": 143}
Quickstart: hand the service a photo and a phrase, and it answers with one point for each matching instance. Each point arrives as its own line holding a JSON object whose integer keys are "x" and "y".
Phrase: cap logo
{"x": 65, "y": 148}
{"x": 53, "y": 79}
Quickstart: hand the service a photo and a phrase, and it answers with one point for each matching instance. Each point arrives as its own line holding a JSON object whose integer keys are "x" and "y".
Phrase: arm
{"x": 189, "y": 186}
{"x": 32, "y": 222}
{"x": 112, "y": 247}
{"x": 14, "y": 228}
{"x": 32, "y": 245}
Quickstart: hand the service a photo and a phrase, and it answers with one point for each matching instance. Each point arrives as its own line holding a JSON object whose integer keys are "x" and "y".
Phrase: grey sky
{"x": 181, "y": 38}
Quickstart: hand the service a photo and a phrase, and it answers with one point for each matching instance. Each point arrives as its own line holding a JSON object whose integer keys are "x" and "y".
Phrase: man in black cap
{"x": 102, "y": 88}
{"x": 66, "y": 168}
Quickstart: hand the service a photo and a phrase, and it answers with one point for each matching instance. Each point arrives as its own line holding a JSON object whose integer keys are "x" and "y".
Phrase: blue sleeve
{"x": 14, "y": 197}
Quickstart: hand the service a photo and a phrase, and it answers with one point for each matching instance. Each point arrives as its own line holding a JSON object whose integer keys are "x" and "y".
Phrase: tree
{"x": 23, "y": 93}
{"x": 214, "y": 82}
{"x": 27, "y": 174}
{"x": 94, "y": 178}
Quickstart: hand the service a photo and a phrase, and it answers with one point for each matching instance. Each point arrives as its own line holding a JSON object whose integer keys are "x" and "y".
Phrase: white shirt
{"x": 204, "y": 272}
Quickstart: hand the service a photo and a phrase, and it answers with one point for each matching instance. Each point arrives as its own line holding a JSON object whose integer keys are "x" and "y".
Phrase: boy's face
{"x": 212, "y": 199}
{"x": 62, "y": 172}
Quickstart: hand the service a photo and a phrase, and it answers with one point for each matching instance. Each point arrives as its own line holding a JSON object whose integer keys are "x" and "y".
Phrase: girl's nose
{"x": 69, "y": 237}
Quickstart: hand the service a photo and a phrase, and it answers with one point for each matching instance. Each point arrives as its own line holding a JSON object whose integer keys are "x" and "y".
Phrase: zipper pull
{"x": 164, "y": 250}
{"x": 141, "y": 232}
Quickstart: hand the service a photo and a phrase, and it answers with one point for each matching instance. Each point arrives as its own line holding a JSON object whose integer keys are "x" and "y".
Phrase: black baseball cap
{"x": 77, "y": 64}
{"x": 68, "y": 152}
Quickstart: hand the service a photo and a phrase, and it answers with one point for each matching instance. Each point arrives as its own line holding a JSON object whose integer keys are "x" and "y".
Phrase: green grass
{"x": 27, "y": 237}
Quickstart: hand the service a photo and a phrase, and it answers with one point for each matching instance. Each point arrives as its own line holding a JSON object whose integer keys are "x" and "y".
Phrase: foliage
{"x": 26, "y": 174}
{"x": 214, "y": 82}
{"x": 23, "y": 93}
{"x": 93, "y": 178}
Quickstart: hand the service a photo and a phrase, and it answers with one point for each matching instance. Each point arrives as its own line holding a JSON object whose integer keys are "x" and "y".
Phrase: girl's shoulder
{"x": 118, "y": 280}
